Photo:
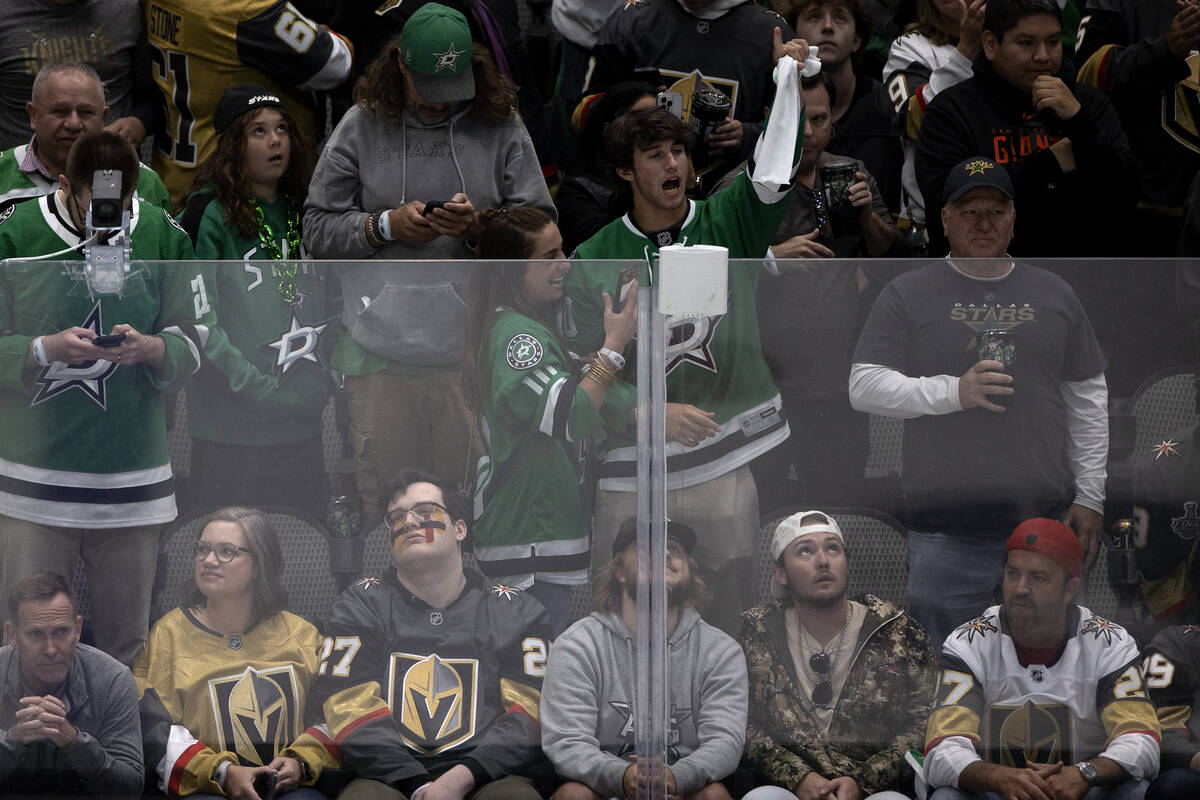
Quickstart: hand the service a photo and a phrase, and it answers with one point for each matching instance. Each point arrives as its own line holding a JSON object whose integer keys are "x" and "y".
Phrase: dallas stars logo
{"x": 980, "y": 626}
{"x": 1098, "y": 626}
{"x": 1167, "y": 447}
{"x": 507, "y": 592}
{"x": 368, "y": 583}
{"x": 701, "y": 353}
{"x": 88, "y": 377}
{"x": 978, "y": 167}
{"x": 297, "y": 344}
{"x": 523, "y": 351}
{"x": 448, "y": 60}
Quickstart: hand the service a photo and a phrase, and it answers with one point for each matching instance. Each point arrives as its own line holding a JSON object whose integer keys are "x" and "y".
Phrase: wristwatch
{"x": 1089, "y": 773}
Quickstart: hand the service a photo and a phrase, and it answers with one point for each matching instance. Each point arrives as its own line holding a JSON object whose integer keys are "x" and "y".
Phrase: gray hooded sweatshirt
{"x": 587, "y": 705}
{"x": 412, "y": 313}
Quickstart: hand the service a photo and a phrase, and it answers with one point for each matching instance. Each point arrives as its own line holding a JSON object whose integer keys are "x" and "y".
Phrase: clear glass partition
{"x": 795, "y": 397}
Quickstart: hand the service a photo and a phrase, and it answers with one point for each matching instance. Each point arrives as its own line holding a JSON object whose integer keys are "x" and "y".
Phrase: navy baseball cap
{"x": 974, "y": 173}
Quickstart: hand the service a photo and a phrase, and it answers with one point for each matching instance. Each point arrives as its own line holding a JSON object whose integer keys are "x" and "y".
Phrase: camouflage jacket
{"x": 880, "y": 714}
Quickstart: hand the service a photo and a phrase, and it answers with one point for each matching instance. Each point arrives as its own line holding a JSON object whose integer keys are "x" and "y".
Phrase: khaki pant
{"x": 120, "y": 574}
{"x": 399, "y": 421}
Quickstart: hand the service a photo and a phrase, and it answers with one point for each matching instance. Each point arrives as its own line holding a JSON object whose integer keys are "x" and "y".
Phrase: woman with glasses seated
{"x": 224, "y": 676}
{"x": 539, "y": 406}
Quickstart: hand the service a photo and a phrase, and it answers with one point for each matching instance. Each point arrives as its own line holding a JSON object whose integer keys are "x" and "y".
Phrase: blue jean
{"x": 1175, "y": 784}
{"x": 1125, "y": 790}
{"x": 951, "y": 579}
{"x": 556, "y": 597}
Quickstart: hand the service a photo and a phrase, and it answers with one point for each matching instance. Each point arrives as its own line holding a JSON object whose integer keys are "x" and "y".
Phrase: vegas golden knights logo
{"x": 433, "y": 700}
{"x": 1181, "y": 107}
{"x": 1028, "y": 734}
{"x": 257, "y": 712}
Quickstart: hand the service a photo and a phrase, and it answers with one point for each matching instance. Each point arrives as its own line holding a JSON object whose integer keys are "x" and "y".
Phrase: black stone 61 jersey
{"x": 409, "y": 690}
{"x": 200, "y": 49}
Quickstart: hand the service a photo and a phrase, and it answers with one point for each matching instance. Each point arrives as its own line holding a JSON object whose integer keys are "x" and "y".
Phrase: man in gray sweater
{"x": 68, "y": 712}
{"x": 587, "y": 707}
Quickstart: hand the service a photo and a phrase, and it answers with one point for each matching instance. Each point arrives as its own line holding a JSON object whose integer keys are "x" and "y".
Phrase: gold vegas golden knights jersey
{"x": 1090, "y": 701}
{"x": 409, "y": 691}
{"x": 208, "y": 698}
{"x": 201, "y": 48}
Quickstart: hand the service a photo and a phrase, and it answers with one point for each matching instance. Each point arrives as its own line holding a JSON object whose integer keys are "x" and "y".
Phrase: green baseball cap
{"x": 436, "y": 47}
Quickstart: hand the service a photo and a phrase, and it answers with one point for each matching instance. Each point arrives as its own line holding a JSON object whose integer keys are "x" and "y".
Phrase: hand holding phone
{"x": 431, "y": 205}
{"x": 627, "y": 276}
{"x": 109, "y": 340}
{"x": 264, "y": 785}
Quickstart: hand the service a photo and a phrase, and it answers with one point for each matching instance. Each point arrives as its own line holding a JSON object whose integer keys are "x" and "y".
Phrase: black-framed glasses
{"x": 225, "y": 551}
{"x": 423, "y": 511}
{"x": 822, "y": 667}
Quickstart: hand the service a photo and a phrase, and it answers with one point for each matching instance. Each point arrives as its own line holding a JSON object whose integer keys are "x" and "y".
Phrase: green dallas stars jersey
{"x": 536, "y": 423}
{"x": 16, "y": 185}
{"x": 725, "y": 372}
{"x": 263, "y": 381}
{"x": 84, "y": 445}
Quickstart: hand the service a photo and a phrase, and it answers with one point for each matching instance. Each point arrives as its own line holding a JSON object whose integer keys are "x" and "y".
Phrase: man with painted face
{"x": 1039, "y": 698}
{"x": 431, "y": 679}
{"x": 68, "y": 712}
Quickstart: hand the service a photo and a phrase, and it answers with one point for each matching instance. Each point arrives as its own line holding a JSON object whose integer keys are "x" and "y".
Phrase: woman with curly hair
{"x": 433, "y": 135}
{"x": 254, "y": 409}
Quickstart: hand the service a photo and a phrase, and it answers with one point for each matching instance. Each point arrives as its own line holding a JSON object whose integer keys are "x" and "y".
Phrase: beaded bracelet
{"x": 374, "y": 234}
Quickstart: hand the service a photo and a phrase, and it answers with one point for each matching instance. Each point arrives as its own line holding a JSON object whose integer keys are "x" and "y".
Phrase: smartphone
{"x": 626, "y": 277}
{"x": 431, "y": 205}
{"x": 110, "y": 340}
{"x": 264, "y": 785}
{"x": 671, "y": 101}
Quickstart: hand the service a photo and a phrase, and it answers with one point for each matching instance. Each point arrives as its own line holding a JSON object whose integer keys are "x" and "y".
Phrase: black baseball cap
{"x": 675, "y": 530}
{"x": 974, "y": 173}
{"x": 239, "y": 99}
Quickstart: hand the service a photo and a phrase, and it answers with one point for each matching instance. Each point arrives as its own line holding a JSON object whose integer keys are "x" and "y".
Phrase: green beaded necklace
{"x": 285, "y": 270}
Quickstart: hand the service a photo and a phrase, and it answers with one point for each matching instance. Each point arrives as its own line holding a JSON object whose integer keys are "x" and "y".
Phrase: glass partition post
{"x": 650, "y": 732}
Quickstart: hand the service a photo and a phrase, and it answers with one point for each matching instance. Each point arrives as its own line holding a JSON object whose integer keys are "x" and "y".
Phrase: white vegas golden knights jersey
{"x": 1091, "y": 701}
{"x": 207, "y": 698}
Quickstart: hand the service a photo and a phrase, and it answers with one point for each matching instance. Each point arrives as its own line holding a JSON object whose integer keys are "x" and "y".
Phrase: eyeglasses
{"x": 225, "y": 551}
{"x": 821, "y": 666}
{"x": 424, "y": 511}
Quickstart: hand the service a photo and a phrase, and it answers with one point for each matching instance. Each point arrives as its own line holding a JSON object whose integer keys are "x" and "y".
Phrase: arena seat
{"x": 307, "y": 576}
{"x": 1164, "y": 403}
{"x": 876, "y": 543}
